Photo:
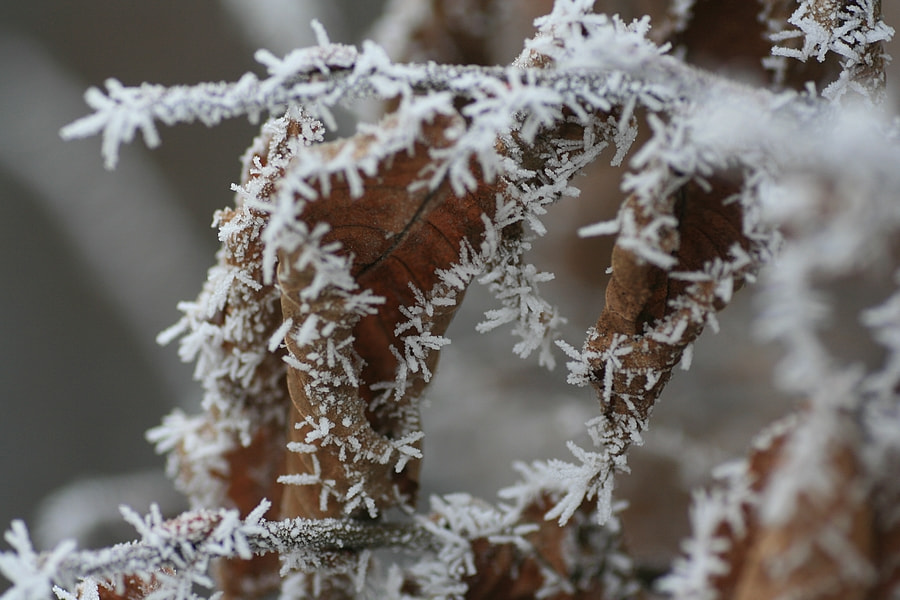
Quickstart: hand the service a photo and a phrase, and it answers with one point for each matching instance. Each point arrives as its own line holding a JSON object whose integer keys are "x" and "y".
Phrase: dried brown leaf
{"x": 639, "y": 296}
{"x": 396, "y": 237}
{"x": 769, "y": 570}
{"x": 253, "y": 469}
{"x": 579, "y": 554}
{"x": 725, "y": 34}
{"x": 822, "y": 551}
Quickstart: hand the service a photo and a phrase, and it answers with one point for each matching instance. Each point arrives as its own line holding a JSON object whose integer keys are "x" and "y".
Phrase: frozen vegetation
{"x": 343, "y": 262}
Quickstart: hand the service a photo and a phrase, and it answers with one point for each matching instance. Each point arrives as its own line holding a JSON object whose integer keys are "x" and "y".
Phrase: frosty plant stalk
{"x": 343, "y": 262}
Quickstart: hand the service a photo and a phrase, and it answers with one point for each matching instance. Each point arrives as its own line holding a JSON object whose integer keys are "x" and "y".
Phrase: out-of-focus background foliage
{"x": 92, "y": 264}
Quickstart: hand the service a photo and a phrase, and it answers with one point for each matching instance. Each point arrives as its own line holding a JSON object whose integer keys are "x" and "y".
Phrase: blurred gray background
{"x": 93, "y": 262}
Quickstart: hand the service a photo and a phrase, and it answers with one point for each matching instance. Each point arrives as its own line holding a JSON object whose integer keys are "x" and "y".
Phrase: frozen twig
{"x": 187, "y": 544}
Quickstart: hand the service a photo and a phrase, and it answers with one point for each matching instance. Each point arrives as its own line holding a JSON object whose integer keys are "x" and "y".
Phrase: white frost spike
{"x": 31, "y": 575}
{"x": 579, "y": 368}
{"x": 692, "y": 575}
{"x": 278, "y": 337}
{"x": 404, "y": 446}
{"x": 88, "y": 589}
{"x": 599, "y": 229}
{"x": 313, "y": 478}
{"x": 687, "y": 357}
{"x": 308, "y": 332}
{"x": 321, "y": 34}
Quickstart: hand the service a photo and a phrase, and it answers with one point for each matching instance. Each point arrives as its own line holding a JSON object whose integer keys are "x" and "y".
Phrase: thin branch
{"x": 598, "y": 71}
{"x": 191, "y": 541}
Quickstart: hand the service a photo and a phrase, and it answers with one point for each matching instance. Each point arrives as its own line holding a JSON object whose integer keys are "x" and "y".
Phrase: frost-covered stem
{"x": 590, "y": 73}
{"x": 188, "y": 543}
{"x": 280, "y": 537}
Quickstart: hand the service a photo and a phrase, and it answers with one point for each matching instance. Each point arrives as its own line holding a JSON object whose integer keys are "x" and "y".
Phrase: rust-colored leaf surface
{"x": 838, "y": 542}
{"x": 397, "y": 238}
{"x": 400, "y": 238}
{"x": 579, "y": 554}
{"x": 639, "y": 295}
{"x": 830, "y": 529}
{"x": 725, "y": 34}
{"x": 253, "y": 469}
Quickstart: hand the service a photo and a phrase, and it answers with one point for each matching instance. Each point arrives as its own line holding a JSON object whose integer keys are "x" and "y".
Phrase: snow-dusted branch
{"x": 187, "y": 544}
{"x": 609, "y": 64}
{"x": 613, "y": 64}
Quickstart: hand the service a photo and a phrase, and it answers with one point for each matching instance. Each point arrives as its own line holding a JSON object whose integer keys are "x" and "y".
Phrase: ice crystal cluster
{"x": 314, "y": 338}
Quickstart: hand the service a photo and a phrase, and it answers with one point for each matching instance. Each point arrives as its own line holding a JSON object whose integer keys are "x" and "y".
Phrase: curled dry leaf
{"x": 646, "y": 304}
{"x": 398, "y": 237}
{"x": 252, "y": 465}
{"x": 797, "y": 559}
{"x": 579, "y": 561}
{"x": 831, "y": 545}
{"x": 724, "y": 34}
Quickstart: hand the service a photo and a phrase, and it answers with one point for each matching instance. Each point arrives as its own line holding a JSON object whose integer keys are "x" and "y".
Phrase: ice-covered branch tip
{"x": 177, "y": 553}
{"x": 122, "y": 111}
